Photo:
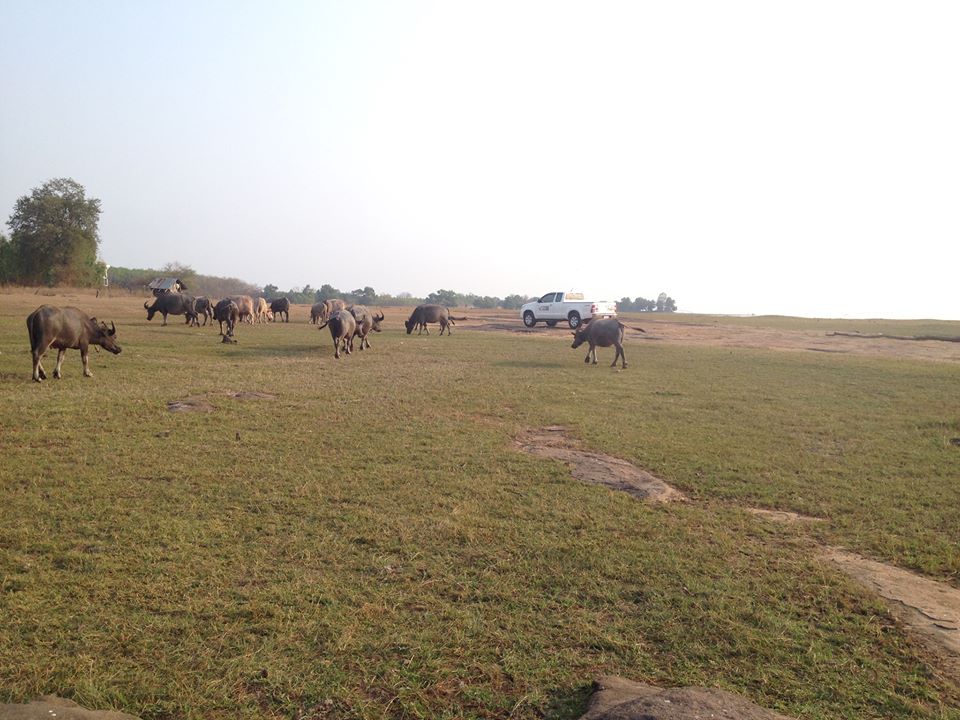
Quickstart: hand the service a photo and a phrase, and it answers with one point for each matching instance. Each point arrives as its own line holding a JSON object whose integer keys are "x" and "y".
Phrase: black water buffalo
{"x": 316, "y": 313}
{"x": 227, "y": 311}
{"x": 342, "y": 328}
{"x": 603, "y": 333}
{"x": 281, "y": 307}
{"x": 366, "y": 321}
{"x": 423, "y": 314}
{"x": 173, "y": 304}
{"x": 64, "y": 329}
{"x": 203, "y": 306}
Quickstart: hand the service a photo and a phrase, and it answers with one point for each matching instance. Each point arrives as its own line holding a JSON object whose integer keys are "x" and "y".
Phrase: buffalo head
{"x": 106, "y": 337}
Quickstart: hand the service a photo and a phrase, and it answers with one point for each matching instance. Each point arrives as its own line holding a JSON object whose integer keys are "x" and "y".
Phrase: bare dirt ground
{"x": 732, "y": 335}
{"x": 931, "y": 610}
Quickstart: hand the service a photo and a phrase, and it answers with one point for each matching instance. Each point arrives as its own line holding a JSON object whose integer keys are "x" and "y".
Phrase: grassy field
{"x": 368, "y": 543}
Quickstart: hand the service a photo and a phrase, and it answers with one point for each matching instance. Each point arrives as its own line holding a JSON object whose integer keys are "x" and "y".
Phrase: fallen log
{"x": 874, "y": 336}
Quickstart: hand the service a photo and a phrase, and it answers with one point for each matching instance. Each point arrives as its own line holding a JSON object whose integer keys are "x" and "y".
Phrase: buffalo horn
{"x": 145, "y": 305}
{"x": 113, "y": 328}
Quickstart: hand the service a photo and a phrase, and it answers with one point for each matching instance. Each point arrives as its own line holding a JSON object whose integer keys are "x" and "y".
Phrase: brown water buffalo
{"x": 203, "y": 306}
{"x": 281, "y": 307}
{"x": 325, "y": 310}
{"x": 172, "y": 304}
{"x": 245, "y": 306}
{"x": 342, "y": 328}
{"x": 64, "y": 329}
{"x": 227, "y": 311}
{"x": 602, "y": 333}
{"x": 366, "y": 321}
{"x": 423, "y": 314}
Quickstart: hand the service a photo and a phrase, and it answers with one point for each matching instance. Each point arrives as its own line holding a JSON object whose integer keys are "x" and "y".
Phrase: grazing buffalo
{"x": 281, "y": 307}
{"x": 423, "y": 314}
{"x": 342, "y": 328}
{"x": 602, "y": 333}
{"x": 64, "y": 329}
{"x": 316, "y": 313}
{"x": 245, "y": 306}
{"x": 173, "y": 304}
{"x": 260, "y": 310}
{"x": 203, "y": 306}
{"x": 227, "y": 312}
{"x": 366, "y": 321}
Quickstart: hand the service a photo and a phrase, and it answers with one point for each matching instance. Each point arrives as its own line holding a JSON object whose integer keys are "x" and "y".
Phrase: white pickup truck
{"x": 571, "y": 306}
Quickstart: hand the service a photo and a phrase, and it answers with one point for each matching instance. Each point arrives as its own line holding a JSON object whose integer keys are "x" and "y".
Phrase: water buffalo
{"x": 603, "y": 333}
{"x": 173, "y": 304}
{"x": 245, "y": 306}
{"x": 260, "y": 310}
{"x": 366, "y": 321}
{"x": 342, "y": 328}
{"x": 66, "y": 328}
{"x": 423, "y": 314}
{"x": 203, "y": 306}
{"x": 281, "y": 307}
{"x": 325, "y": 310}
{"x": 227, "y": 311}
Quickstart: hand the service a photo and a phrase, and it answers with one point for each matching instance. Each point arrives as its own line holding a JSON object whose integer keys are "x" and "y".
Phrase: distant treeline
{"x": 368, "y": 296}
{"x": 136, "y": 280}
{"x": 663, "y": 303}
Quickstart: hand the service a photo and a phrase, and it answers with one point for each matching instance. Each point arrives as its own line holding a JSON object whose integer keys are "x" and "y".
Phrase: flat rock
{"x": 617, "y": 699}
{"x": 51, "y": 707}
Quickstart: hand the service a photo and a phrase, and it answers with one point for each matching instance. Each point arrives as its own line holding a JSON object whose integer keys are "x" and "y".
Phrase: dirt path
{"x": 929, "y": 608}
{"x": 595, "y": 468}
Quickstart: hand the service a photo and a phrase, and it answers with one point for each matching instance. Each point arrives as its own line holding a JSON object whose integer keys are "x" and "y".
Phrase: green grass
{"x": 373, "y": 546}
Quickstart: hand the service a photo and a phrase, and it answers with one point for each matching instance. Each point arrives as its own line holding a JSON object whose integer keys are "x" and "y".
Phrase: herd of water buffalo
{"x": 71, "y": 328}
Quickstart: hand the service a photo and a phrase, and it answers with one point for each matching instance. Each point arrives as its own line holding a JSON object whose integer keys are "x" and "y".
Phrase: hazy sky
{"x": 744, "y": 157}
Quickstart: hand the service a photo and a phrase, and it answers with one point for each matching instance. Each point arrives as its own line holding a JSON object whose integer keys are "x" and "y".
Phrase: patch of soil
{"x": 617, "y": 699}
{"x": 249, "y": 395}
{"x": 596, "y": 468}
{"x": 929, "y": 607}
{"x": 52, "y": 706}
{"x": 782, "y": 516}
{"x": 190, "y": 404}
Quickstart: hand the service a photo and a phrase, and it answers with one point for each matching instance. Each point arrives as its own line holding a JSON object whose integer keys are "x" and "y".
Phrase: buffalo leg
{"x": 38, "y": 373}
{"x": 164, "y": 320}
{"x": 56, "y": 369}
{"x": 621, "y": 355}
{"x": 85, "y": 356}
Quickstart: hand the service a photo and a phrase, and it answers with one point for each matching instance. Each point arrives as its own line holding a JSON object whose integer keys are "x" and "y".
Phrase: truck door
{"x": 545, "y": 306}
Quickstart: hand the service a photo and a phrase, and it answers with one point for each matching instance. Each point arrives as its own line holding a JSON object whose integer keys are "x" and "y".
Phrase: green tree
{"x": 327, "y": 292}
{"x": 449, "y": 298}
{"x": 54, "y": 235}
{"x": 271, "y": 291}
{"x": 366, "y": 296}
{"x": 8, "y": 270}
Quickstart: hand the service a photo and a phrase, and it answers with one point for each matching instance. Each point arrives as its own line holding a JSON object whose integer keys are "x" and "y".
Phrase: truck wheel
{"x": 574, "y": 319}
{"x": 551, "y": 323}
{"x": 528, "y": 319}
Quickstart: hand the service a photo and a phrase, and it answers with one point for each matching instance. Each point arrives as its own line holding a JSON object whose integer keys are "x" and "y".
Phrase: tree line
{"x": 55, "y": 241}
